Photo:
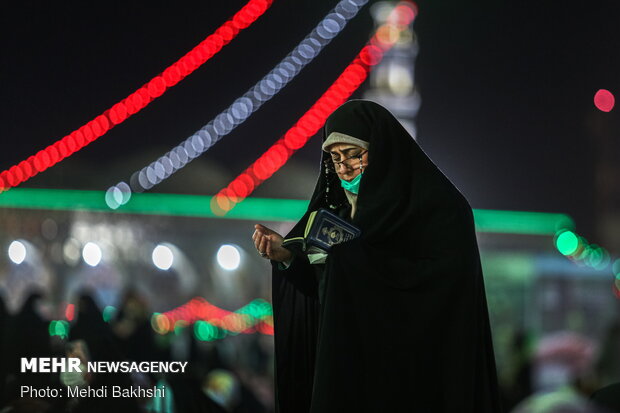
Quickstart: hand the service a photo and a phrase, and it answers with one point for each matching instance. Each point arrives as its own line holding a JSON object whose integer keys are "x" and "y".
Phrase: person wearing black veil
{"x": 396, "y": 319}
{"x": 101, "y": 345}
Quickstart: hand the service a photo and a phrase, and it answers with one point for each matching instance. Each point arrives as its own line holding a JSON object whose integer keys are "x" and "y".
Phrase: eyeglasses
{"x": 334, "y": 165}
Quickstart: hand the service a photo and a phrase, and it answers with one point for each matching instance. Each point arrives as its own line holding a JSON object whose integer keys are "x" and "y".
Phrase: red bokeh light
{"x": 226, "y": 32}
{"x": 53, "y": 155}
{"x": 118, "y": 113}
{"x": 156, "y": 87}
{"x": 16, "y": 173}
{"x": 61, "y": 146}
{"x": 26, "y": 167}
{"x": 207, "y": 49}
{"x": 240, "y": 188}
{"x": 9, "y": 178}
{"x": 172, "y": 75}
{"x": 217, "y": 41}
{"x": 604, "y": 100}
{"x": 41, "y": 161}
{"x": 70, "y": 312}
{"x": 260, "y": 170}
{"x": 193, "y": 60}
{"x": 70, "y": 142}
{"x": 87, "y": 133}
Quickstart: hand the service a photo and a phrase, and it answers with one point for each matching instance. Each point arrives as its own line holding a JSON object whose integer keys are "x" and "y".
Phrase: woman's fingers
{"x": 262, "y": 244}
{"x": 268, "y": 251}
{"x": 257, "y": 240}
{"x": 265, "y": 239}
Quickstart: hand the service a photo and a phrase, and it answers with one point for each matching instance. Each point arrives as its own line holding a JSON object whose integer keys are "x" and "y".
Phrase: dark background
{"x": 507, "y": 89}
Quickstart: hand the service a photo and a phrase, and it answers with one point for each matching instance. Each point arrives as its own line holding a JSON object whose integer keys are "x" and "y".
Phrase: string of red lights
{"x": 136, "y": 101}
{"x": 308, "y": 125}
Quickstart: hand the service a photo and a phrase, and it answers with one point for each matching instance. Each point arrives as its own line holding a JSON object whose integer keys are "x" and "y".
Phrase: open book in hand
{"x": 323, "y": 230}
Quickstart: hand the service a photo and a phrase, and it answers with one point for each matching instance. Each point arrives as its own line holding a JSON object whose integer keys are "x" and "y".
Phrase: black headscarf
{"x": 404, "y": 322}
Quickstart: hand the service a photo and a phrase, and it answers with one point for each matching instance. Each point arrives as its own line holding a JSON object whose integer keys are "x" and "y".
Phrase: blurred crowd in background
{"x": 232, "y": 375}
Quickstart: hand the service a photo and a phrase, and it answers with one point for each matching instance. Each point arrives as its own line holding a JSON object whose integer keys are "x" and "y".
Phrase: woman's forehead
{"x": 341, "y": 147}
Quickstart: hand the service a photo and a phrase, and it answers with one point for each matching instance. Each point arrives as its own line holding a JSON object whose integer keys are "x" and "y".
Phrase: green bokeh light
{"x": 616, "y": 267}
{"x": 257, "y": 309}
{"x": 567, "y": 242}
{"x": 595, "y": 258}
{"x": 59, "y": 328}
{"x": 602, "y": 261}
{"x": 205, "y": 331}
{"x": 108, "y": 313}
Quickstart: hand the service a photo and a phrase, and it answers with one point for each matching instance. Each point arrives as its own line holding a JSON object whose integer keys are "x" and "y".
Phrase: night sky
{"x": 506, "y": 89}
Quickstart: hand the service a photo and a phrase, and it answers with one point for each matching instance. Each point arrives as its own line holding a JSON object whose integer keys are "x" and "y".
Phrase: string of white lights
{"x": 241, "y": 109}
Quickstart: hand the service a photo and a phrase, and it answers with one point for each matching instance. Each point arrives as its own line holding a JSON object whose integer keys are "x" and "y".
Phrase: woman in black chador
{"x": 394, "y": 320}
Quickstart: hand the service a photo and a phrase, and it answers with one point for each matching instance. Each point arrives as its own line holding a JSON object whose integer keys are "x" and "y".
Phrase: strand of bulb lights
{"x": 580, "y": 251}
{"x": 210, "y": 320}
{"x": 241, "y": 109}
{"x": 308, "y": 125}
{"x": 136, "y": 101}
{"x": 577, "y": 249}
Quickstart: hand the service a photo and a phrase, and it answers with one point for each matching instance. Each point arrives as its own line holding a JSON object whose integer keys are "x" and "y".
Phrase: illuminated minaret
{"x": 392, "y": 81}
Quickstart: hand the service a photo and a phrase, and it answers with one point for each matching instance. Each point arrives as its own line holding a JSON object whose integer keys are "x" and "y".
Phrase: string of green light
{"x": 254, "y": 209}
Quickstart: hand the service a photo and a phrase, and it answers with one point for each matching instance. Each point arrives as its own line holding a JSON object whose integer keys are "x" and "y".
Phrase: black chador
{"x": 402, "y": 323}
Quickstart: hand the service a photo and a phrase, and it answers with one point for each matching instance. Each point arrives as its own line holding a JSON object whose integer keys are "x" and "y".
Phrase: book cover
{"x": 325, "y": 229}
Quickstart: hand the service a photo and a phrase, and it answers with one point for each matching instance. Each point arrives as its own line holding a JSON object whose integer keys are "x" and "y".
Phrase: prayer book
{"x": 325, "y": 229}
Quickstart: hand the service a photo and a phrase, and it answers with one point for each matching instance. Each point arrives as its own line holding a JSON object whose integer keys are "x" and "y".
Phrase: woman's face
{"x": 347, "y": 159}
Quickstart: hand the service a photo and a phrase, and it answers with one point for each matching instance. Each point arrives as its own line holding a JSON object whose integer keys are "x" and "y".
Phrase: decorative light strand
{"x": 241, "y": 109}
{"x": 137, "y": 101}
{"x": 580, "y": 251}
{"x": 577, "y": 249}
{"x": 307, "y": 126}
{"x": 211, "y": 322}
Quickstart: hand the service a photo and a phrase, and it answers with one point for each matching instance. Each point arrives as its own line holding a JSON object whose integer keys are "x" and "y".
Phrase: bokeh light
{"x": 70, "y": 312}
{"x": 205, "y": 331}
{"x": 59, "y": 328}
{"x": 163, "y": 257}
{"x": 567, "y": 242}
{"x": 91, "y": 254}
{"x": 604, "y": 100}
{"x": 160, "y": 323}
{"x": 228, "y": 257}
{"x": 108, "y": 313}
{"x": 17, "y": 252}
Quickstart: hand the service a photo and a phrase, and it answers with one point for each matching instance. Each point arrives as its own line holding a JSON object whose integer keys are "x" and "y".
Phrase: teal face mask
{"x": 353, "y": 185}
